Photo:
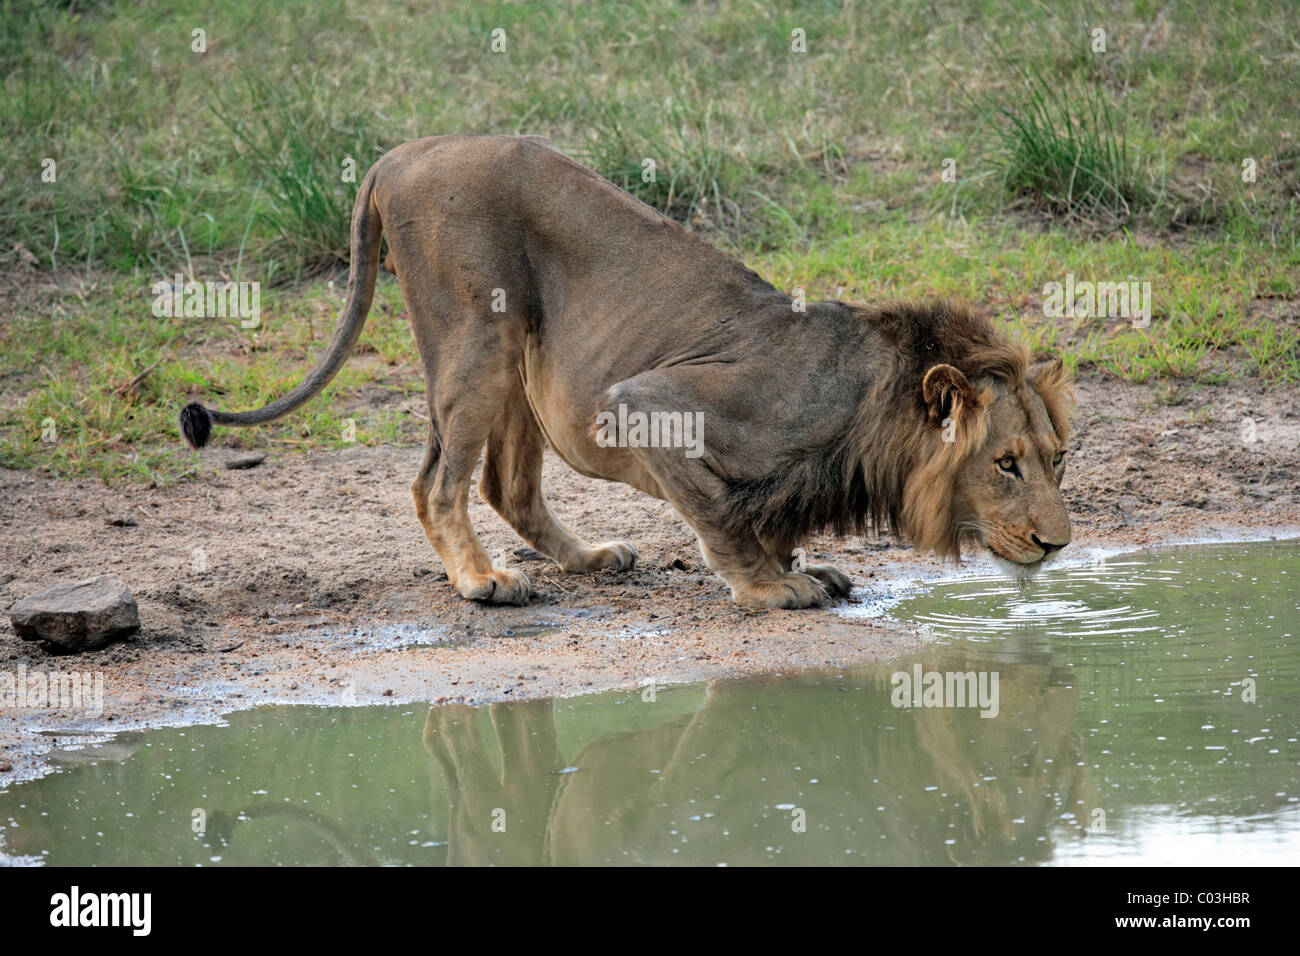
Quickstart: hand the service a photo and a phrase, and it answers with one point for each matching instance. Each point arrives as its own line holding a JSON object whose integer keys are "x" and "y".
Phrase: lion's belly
{"x": 558, "y": 408}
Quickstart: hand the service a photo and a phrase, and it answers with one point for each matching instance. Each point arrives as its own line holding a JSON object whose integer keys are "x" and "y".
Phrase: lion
{"x": 550, "y": 307}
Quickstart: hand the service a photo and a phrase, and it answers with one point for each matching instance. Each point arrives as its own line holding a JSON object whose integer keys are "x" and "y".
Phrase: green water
{"x": 1147, "y": 710}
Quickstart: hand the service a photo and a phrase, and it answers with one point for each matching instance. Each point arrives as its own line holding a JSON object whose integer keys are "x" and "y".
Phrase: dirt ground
{"x": 308, "y": 578}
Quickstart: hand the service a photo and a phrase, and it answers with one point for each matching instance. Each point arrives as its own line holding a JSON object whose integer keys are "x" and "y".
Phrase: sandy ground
{"x": 315, "y": 583}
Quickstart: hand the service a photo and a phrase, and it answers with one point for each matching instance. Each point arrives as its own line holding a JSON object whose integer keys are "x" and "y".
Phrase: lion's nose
{"x": 1047, "y": 546}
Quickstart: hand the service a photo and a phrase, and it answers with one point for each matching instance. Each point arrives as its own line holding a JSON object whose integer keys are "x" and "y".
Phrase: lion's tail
{"x": 197, "y": 421}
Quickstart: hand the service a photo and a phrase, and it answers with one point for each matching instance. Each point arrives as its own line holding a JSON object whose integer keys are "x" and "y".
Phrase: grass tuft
{"x": 299, "y": 152}
{"x": 1062, "y": 148}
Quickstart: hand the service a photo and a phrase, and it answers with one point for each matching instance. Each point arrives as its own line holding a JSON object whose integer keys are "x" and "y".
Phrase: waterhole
{"x": 1142, "y": 709}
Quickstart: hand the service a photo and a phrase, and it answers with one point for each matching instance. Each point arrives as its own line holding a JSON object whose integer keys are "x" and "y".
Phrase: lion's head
{"x": 956, "y": 440}
{"x": 992, "y": 458}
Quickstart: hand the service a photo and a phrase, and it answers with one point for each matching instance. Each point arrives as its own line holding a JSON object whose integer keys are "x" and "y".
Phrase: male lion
{"x": 545, "y": 301}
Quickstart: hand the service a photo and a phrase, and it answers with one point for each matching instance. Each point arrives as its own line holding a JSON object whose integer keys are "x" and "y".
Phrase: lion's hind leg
{"x": 512, "y": 484}
{"x": 441, "y": 493}
{"x": 469, "y": 371}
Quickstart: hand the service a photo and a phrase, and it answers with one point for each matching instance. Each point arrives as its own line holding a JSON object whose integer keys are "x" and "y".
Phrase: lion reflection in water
{"x": 724, "y": 782}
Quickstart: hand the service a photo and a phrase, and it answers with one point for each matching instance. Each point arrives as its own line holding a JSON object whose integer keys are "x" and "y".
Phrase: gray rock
{"x": 246, "y": 461}
{"x": 78, "y": 615}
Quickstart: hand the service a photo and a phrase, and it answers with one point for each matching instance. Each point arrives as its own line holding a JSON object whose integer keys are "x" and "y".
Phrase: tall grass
{"x": 678, "y": 163}
{"x": 1061, "y": 146}
{"x": 767, "y": 145}
{"x": 308, "y": 162}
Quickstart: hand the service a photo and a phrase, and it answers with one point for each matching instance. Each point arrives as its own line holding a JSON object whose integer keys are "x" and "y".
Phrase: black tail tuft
{"x": 196, "y": 425}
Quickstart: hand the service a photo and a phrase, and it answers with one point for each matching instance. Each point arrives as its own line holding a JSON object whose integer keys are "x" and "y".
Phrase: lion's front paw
{"x": 791, "y": 590}
{"x": 836, "y": 582}
{"x": 496, "y": 587}
{"x": 612, "y": 555}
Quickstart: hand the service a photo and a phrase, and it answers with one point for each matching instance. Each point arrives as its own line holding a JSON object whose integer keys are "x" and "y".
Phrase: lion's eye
{"x": 1060, "y": 457}
{"x": 1007, "y": 463}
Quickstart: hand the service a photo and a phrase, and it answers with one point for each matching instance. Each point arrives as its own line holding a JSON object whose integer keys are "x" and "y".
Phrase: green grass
{"x": 75, "y": 369}
{"x": 699, "y": 178}
{"x": 293, "y": 142}
{"x": 1063, "y": 148}
{"x": 821, "y": 169}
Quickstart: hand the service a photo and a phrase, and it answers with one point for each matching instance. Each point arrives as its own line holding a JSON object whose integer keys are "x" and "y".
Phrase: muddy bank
{"x": 308, "y": 578}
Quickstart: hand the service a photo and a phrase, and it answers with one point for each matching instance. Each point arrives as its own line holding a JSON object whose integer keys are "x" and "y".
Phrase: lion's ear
{"x": 947, "y": 392}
